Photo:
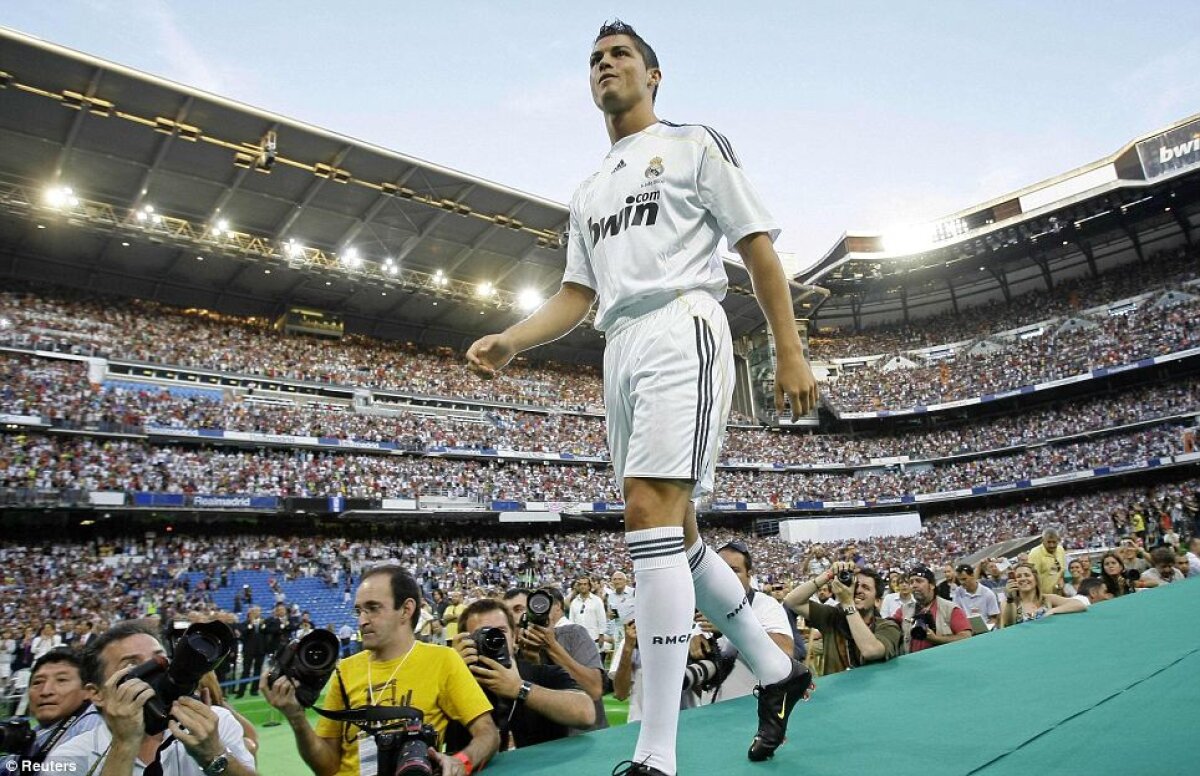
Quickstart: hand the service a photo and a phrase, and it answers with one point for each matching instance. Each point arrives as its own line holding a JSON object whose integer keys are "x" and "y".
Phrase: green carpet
{"x": 1109, "y": 691}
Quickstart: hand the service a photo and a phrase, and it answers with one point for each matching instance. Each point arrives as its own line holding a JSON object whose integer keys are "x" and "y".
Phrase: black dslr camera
{"x": 401, "y": 737}
{"x": 308, "y": 662}
{"x": 846, "y": 578}
{"x": 200, "y": 649}
{"x": 16, "y": 736}
{"x": 537, "y": 609}
{"x": 922, "y": 624}
{"x": 491, "y": 642}
{"x": 1131, "y": 575}
{"x": 404, "y": 750}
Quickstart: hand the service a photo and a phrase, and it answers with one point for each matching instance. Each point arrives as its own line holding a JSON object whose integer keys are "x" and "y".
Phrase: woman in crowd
{"x": 1026, "y": 601}
{"x": 1078, "y": 570}
{"x": 1112, "y": 572}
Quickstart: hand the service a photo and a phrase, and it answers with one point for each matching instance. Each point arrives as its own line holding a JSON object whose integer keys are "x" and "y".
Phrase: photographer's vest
{"x": 943, "y": 610}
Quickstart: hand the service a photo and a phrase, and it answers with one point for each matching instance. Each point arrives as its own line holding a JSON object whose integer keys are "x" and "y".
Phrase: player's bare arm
{"x": 557, "y": 317}
{"x": 793, "y": 377}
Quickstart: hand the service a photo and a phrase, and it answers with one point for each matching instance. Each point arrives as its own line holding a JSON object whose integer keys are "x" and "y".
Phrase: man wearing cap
{"x": 929, "y": 621}
{"x": 853, "y": 632}
{"x": 973, "y": 598}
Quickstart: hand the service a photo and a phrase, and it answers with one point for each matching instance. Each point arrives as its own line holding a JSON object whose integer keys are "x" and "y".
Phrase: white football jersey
{"x": 648, "y": 226}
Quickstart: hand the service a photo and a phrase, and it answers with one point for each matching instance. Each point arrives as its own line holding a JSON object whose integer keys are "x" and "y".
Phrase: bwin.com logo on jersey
{"x": 655, "y": 168}
{"x": 640, "y": 210}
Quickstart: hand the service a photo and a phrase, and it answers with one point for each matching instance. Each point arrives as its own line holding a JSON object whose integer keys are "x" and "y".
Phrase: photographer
{"x": 741, "y": 680}
{"x": 60, "y": 704}
{"x": 929, "y": 621}
{"x": 535, "y": 703}
{"x": 853, "y": 632}
{"x": 559, "y": 641}
{"x": 394, "y": 669}
{"x": 200, "y": 740}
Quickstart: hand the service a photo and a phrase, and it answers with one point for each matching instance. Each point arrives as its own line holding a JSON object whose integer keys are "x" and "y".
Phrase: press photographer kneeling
{"x": 59, "y": 703}
{"x": 532, "y": 703}
{"x": 151, "y": 723}
{"x": 391, "y": 701}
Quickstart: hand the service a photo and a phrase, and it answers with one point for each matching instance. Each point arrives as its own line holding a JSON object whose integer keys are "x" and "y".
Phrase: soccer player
{"x": 644, "y": 239}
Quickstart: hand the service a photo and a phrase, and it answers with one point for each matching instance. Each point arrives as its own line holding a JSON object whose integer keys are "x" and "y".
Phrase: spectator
{"x": 1115, "y": 576}
{"x": 975, "y": 599}
{"x": 253, "y": 635}
{"x": 436, "y": 682}
{"x": 930, "y": 621}
{"x": 1027, "y": 602}
{"x": 587, "y": 610}
{"x": 1092, "y": 591}
{"x": 1050, "y": 561}
{"x": 1162, "y": 570}
{"x": 533, "y": 703}
{"x": 854, "y": 633}
{"x": 200, "y": 740}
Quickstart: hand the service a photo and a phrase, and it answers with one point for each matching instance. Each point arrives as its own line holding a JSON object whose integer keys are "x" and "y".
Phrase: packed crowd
{"x": 35, "y": 462}
{"x": 149, "y": 333}
{"x": 62, "y": 585}
{"x": 59, "y": 392}
{"x": 1166, "y": 268}
{"x": 1122, "y": 339}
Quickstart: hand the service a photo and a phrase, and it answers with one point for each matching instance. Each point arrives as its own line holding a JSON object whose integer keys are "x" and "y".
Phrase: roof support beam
{"x": 350, "y": 234}
{"x": 412, "y": 242}
{"x": 314, "y": 188}
{"x": 470, "y": 250}
{"x": 953, "y": 294}
{"x": 234, "y": 185}
{"x": 904, "y": 302}
{"x": 164, "y": 145}
{"x": 1184, "y": 225}
{"x": 1002, "y": 278}
{"x": 76, "y": 126}
{"x": 1132, "y": 234}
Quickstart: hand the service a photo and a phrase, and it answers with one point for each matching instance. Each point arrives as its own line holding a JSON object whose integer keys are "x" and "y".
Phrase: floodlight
{"x": 61, "y": 196}
{"x": 485, "y": 289}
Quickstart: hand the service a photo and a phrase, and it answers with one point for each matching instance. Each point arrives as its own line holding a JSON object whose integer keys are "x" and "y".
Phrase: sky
{"x": 848, "y": 116}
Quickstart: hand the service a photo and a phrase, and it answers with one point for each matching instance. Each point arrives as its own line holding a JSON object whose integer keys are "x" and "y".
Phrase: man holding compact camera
{"x": 194, "y": 739}
{"x": 533, "y": 703}
{"x": 393, "y": 670}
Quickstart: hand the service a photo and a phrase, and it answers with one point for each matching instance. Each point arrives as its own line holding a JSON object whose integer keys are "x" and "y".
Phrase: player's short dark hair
{"x": 92, "y": 671}
{"x": 618, "y": 27}
{"x": 404, "y": 587}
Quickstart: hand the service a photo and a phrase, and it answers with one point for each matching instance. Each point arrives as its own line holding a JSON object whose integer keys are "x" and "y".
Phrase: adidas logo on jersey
{"x": 620, "y": 166}
{"x": 645, "y": 214}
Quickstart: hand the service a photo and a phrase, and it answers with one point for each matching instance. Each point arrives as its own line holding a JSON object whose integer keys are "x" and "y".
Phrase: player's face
{"x": 619, "y": 77}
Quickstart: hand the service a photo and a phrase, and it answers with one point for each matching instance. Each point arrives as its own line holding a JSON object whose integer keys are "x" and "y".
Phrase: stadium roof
{"x": 1118, "y": 209}
{"x": 116, "y": 181}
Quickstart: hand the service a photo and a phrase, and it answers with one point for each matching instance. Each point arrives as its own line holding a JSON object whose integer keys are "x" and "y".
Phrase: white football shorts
{"x": 668, "y": 384}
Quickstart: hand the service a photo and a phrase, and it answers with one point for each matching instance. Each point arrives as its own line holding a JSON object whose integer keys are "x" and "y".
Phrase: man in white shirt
{"x": 200, "y": 740}
{"x": 587, "y": 610}
{"x": 767, "y": 610}
{"x": 620, "y": 602}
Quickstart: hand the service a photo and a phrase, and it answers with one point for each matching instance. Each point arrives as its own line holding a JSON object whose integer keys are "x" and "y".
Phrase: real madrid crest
{"x": 655, "y": 168}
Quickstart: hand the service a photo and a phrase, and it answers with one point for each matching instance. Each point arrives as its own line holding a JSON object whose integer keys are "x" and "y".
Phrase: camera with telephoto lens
{"x": 491, "y": 642}
{"x": 308, "y": 662}
{"x": 1131, "y": 575}
{"x": 709, "y": 673}
{"x": 537, "y": 609}
{"x": 16, "y": 735}
{"x": 201, "y": 648}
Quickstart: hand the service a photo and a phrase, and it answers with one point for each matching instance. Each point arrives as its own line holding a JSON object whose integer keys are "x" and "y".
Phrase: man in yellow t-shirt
{"x": 394, "y": 669}
{"x": 1050, "y": 561}
{"x": 450, "y": 617}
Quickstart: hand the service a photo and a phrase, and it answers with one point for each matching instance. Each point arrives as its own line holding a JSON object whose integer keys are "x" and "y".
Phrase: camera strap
{"x": 371, "y": 714}
{"x": 60, "y": 730}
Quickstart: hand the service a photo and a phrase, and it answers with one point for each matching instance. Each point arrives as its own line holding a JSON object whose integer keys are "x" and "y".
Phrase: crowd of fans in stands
{"x": 35, "y": 462}
{"x": 1166, "y": 268}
